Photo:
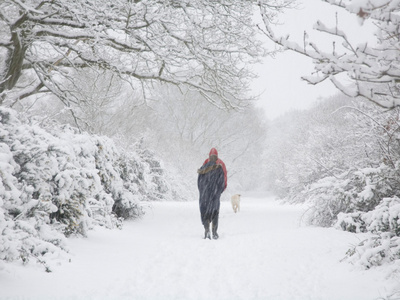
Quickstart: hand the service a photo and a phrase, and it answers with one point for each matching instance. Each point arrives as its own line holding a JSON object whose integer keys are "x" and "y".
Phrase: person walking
{"x": 211, "y": 182}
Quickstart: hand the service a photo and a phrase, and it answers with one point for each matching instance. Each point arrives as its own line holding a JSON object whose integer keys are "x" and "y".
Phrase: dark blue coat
{"x": 211, "y": 184}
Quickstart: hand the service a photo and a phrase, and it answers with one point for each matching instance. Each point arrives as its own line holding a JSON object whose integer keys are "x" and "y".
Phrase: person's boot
{"x": 215, "y": 227}
{"x": 215, "y": 236}
{"x": 207, "y": 234}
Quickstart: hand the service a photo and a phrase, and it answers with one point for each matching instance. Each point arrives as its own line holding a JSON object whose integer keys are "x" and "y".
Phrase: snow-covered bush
{"x": 370, "y": 179}
{"x": 25, "y": 229}
{"x": 384, "y": 222}
{"x": 353, "y": 191}
{"x": 384, "y": 218}
{"x": 329, "y": 197}
{"x": 376, "y": 250}
{"x": 55, "y": 181}
{"x": 346, "y": 167}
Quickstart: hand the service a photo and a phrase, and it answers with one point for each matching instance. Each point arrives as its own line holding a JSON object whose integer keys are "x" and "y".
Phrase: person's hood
{"x": 213, "y": 151}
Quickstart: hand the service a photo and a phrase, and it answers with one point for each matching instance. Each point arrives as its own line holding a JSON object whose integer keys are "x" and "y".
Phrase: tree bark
{"x": 14, "y": 60}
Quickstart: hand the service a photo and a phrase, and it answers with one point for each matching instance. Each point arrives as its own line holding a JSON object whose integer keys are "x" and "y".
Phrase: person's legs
{"x": 207, "y": 234}
{"x": 205, "y": 219}
{"x": 215, "y": 225}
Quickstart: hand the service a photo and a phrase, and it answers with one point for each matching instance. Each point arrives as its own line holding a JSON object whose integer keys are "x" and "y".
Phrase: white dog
{"x": 235, "y": 200}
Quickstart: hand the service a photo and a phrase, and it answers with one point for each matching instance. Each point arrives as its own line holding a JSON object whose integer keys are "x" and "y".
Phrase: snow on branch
{"x": 206, "y": 45}
{"x": 26, "y": 7}
{"x": 372, "y": 68}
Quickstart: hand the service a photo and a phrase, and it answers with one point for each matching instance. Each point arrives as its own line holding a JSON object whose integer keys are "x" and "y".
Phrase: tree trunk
{"x": 14, "y": 60}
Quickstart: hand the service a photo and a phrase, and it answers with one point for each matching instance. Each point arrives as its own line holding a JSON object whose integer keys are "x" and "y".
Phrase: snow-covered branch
{"x": 205, "y": 45}
{"x": 373, "y": 68}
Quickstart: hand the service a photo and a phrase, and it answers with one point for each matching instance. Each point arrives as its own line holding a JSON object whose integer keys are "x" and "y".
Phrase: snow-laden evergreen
{"x": 55, "y": 182}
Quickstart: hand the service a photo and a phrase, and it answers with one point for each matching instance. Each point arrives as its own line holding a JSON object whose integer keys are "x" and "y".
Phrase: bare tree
{"x": 373, "y": 69}
{"x": 205, "y": 45}
{"x": 182, "y": 128}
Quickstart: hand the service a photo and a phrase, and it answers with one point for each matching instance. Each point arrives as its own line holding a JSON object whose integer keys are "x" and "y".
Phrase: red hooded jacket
{"x": 214, "y": 151}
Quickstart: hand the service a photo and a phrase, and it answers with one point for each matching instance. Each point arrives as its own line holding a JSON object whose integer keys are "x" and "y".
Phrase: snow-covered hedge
{"x": 361, "y": 201}
{"x": 55, "y": 181}
{"x": 357, "y": 190}
{"x": 384, "y": 218}
{"x": 384, "y": 223}
{"x": 343, "y": 160}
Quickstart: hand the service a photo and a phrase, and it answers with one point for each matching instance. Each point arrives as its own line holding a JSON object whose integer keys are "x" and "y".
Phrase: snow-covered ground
{"x": 264, "y": 252}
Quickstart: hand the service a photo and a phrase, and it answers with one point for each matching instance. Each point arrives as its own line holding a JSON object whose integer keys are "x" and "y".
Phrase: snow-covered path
{"x": 263, "y": 253}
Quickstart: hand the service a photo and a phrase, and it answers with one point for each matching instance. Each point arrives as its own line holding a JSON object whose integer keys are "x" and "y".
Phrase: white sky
{"x": 280, "y": 77}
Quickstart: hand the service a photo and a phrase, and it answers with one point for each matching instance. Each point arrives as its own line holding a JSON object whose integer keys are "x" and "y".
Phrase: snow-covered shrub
{"x": 376, "y": 250}
{"x": 354, "y": 192}
{"x": 346, "y": 167}
{"x": 329, "y": 197}
{"x": 384, "y": 218}
{"x": 384, "y": 222}
{"x": 25, "y": 230}
{"x": 55, "y": 181}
